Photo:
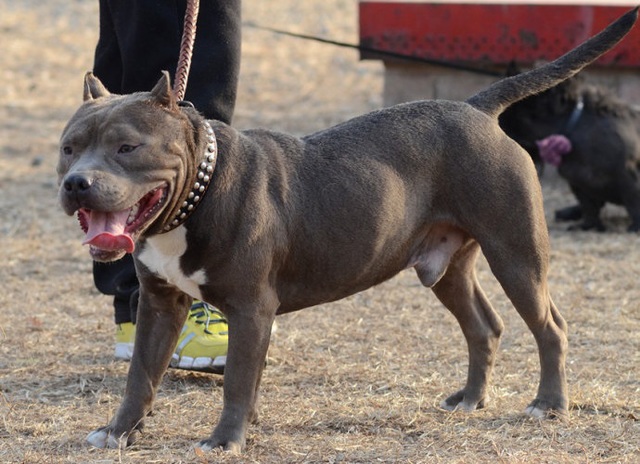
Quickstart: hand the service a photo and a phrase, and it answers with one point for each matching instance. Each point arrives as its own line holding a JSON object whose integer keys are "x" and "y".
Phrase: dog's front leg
{"x": 162, "y": 310}
{"x": 249, "y": 335}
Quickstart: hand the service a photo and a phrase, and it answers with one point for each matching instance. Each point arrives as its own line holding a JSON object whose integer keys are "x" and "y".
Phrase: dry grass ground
{"x": 354, "y": 381}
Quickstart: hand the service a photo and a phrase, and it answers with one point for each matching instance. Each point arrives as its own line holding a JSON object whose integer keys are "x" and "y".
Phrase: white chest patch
{"x": 162, "y": 254}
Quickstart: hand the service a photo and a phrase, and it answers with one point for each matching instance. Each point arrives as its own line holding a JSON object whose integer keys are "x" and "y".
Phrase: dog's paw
{"x": 209, "y": 445}
{"x": 224, "y": 438}
{"x": 539, "y": 409}
{"x": 570, "y": 213}
{"x": 535, "y": 412}
{"x": 459, "y": 402}
{"x": 104, "y": 437}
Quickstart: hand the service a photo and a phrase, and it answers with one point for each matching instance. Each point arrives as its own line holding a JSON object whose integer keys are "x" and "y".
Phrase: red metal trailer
{"x": 489, "y": 36}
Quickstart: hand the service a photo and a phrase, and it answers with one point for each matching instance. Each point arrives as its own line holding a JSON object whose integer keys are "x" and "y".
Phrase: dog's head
{"x": 124, "y": 163}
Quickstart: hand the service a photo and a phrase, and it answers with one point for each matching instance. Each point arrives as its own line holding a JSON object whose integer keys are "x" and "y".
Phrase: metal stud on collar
{"x": 203, "y": 179}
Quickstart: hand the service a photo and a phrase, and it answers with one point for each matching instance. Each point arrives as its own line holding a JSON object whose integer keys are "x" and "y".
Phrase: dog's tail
{"x": 499, "y": 96}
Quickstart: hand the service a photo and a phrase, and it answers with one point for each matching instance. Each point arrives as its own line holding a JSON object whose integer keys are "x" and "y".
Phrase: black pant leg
{"x": 107, "y": 61}
{"x": 138, "y": 40}
{"x": 141, "y": 38}
{"x": 215, "y": 67}
{"x": 118, "y": 279}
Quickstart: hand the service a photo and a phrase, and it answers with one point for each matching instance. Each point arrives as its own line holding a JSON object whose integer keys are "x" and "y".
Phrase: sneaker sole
{"x": 203, "y": 364}
{"x": 124, "y": 351}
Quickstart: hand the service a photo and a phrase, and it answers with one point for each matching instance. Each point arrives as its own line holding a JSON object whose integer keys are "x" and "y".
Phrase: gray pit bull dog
{"x": 284, "y": 223}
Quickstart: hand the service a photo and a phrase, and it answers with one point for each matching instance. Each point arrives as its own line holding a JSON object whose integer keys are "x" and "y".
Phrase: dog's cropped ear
{"x": 93, "y": 88}
{"x": 163, "y": 93}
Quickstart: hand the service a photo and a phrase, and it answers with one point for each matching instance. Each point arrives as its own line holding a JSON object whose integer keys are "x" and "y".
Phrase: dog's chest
{"x": 161, "y": 255}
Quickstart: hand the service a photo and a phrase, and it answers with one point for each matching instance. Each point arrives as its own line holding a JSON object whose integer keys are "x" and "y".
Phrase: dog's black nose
{"x": 77, "y": 183}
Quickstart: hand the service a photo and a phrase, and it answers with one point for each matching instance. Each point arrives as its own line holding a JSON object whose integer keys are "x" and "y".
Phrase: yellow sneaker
{"x": 202, "y": 345}
{"x": 125, "y": 336}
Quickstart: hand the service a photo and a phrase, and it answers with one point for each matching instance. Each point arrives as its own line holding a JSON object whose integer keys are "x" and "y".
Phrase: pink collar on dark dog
{"x": 553, "y": 148}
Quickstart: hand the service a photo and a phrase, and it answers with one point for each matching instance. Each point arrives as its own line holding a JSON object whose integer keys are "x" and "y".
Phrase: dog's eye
{"x": 67, "y": 150}
{"x": 126, "y": 148}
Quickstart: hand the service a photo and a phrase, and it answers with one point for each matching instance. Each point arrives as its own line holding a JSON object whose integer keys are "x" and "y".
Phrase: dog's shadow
{"x": 179, "y": 379}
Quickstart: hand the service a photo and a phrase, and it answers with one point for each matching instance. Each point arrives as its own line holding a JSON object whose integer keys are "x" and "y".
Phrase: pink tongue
{"x": 106, "y": 231}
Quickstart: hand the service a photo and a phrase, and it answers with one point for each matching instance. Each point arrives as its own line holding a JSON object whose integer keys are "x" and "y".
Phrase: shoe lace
{"x": 205, "y": 314}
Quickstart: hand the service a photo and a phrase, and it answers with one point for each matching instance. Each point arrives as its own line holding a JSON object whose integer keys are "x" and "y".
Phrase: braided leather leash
{"x": 208, "y": 163}
{"x": 186, "y": 49}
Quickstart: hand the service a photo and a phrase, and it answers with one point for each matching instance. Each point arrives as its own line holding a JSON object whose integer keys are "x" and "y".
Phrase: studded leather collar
{"x": 203, "y": 179}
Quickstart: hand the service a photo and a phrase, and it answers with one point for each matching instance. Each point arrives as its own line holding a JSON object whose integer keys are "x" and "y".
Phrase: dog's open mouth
{"x": 115, "y": 233}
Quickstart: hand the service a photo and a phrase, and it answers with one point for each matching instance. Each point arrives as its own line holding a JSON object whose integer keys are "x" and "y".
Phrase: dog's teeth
{"x": 132, "y": 214}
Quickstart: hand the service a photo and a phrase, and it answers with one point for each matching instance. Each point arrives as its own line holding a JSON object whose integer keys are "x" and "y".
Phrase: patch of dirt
{"x": 359, "y": 380}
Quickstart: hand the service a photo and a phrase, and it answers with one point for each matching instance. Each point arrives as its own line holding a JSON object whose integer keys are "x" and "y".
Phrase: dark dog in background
{"x": 592, "y": 137}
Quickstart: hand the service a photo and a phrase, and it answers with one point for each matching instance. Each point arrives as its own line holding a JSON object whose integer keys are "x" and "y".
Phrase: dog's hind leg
{"x": 520, "y": 263}
{"x": 460, "y": 292}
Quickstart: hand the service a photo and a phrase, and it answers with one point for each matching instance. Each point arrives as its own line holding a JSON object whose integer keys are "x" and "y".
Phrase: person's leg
{"x": 148, "y": 35}
{"x": 211, "y": 87}
{"x": 107, "y": 61}
{"x": 139, "y": 39}
{"x": 213, "y": 79}
{"x": 119, "y": 279}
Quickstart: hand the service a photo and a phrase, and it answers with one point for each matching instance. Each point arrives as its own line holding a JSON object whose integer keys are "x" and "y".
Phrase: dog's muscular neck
{"x": 201, "y": 184}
